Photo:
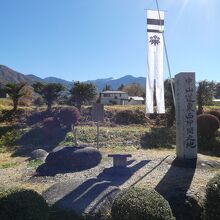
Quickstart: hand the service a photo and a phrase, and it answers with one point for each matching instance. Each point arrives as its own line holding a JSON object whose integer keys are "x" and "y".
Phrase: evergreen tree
{"x": 50, "y": 92}
{"x": 205, "y": 94}
{"x": 15, "y": 91}
{"x": 83, "y": 93}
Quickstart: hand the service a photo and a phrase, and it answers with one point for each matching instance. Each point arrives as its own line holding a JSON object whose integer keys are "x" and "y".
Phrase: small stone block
{"x": 119, "y": 160}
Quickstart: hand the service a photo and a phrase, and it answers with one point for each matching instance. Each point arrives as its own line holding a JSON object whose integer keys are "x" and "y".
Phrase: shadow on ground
{"x": 5, "y": 129}
{"x": 39, "y": 137}
{"x": 93, "y": 196}
{"x": 48, "y": 170}
{"x": 174, "y": 187}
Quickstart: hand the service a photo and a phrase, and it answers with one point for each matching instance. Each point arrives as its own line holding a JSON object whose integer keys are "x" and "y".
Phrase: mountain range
{"x": 9, "y": 75}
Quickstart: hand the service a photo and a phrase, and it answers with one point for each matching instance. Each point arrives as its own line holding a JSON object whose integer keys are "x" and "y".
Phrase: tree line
{"x": 83, "y": 93}
{"x": 79, "y": 94}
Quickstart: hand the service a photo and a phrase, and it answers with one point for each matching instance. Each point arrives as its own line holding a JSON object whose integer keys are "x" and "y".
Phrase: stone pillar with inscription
{"x": 186, "y": 117}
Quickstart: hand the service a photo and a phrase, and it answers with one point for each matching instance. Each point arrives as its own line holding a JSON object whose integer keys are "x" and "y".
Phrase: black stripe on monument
{"x": 154, "y": 31}
{"x": 155, "y": 21}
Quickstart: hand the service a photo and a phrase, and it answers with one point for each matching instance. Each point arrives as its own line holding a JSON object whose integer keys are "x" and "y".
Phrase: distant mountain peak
{"x": 10, "y": 75}
{"x": 115, "y": 83}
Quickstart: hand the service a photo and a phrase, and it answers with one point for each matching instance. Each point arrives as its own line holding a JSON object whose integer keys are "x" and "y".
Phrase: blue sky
{"x": 90, "y": 39}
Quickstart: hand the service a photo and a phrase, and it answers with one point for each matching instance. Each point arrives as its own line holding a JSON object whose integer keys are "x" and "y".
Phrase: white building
{"x": 135, "y": 100}
{"x": 114, "y": 97}
{"x": 216, "y": 101}
{"x": 120, "y": 98}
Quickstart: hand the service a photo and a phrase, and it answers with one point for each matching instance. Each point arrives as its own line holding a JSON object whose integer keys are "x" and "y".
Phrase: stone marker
{"x": 186, "y": 117}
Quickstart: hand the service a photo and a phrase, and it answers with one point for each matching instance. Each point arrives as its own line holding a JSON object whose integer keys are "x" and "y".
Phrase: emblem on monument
{"x": 154, "y": 40}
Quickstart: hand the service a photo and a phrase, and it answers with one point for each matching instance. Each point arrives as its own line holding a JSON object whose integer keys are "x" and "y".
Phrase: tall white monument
{"x": 186, "y": 117}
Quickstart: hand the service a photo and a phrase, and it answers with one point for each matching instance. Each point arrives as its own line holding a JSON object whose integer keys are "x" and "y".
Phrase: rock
{"x": 39, "y": 154}
{"x": 74, "y": 157}
{"x": 87, "y": 157}
{"x": 93, "y": 197}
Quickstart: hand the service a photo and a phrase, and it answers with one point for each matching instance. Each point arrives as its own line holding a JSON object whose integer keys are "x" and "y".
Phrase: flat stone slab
{"x": 119, "y": 160}
{"x": 84, "y": 197}
{"x": 119, "y": 155}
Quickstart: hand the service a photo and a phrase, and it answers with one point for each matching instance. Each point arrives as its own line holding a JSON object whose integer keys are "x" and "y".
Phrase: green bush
{"x": 22, "y": 204}
{"x": 140, "y": 204}
{"x": 211, "y": 144}
{"x": 8, "y": 138}
{"x": 207, "y": 125}
{"x": 56, "y": 213}
{"x": 212, "y": 199}
{"x": 126, "y": 117}
{"x": 51, "y": 122}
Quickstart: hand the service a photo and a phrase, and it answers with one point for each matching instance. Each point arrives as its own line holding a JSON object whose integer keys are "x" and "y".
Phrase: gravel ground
{"x": 150, "y": 168}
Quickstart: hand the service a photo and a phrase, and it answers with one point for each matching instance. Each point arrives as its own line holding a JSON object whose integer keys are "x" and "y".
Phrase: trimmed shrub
{"x": 37, "y": 117}
{"x": 22, "y": 204}
{"x": 51, "y": 127}
{"x": 51, "y": 122}
{"x": 210, "y": 144}
{"x": 187, "y": 207}
{"x": 69, "y": 116}
{"x": 140, "y": 204}
{"x": 130, "y": 117}
{"x": 216, "y": 113}
{"x": 9, "y": 139}
{"x": 212, "y": 199}
{"x": 207, "y": 125}
{"x": 56, "y": 213}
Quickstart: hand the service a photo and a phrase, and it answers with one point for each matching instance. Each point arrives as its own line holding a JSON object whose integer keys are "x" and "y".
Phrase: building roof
{"x": 136, "y": 98}
{"x": 114, "y": 92}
